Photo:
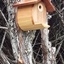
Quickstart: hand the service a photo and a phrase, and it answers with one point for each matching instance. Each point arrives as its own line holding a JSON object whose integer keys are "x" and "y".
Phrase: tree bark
{"x": 47, "y": 49}
{"x": 26, "y": 39}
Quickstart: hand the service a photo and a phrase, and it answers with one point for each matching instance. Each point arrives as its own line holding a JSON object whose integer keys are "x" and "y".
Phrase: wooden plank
{"x": 34, "y": 27}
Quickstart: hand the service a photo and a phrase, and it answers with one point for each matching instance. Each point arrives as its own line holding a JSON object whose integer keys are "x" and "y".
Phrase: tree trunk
{"x": 26, "y": 39}
{"x": 22, "y": 47}
{"x": 47, "y": 49}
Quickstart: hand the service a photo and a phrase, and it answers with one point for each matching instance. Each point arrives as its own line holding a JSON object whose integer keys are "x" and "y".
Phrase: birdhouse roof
{"x": 26, "y": 2}
{"x": 49, "y": 6}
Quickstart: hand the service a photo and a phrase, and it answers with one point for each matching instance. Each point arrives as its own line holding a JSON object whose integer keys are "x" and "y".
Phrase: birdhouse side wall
{"x": 24, "y": 16}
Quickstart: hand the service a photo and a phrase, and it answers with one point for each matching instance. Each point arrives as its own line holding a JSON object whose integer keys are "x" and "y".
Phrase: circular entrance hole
{"x": 40, "y": 7}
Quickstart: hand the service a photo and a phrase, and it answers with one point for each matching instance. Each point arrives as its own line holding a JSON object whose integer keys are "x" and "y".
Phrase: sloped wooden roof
{"x": 26, "y": 2}
{"x": 49, "y": 6}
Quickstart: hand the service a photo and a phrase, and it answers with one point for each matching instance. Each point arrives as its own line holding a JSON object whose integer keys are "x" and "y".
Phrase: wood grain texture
{"x": 24, "y": 16}
{"x": 34, "y": 27}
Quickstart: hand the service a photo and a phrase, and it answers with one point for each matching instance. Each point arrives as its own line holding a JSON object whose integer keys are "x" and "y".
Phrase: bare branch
{"x": 61, "y": 58}
{"x": 4, "y": 17}
{"x": 59, "y": 48}
{"x": 3, "y": 27}
{"x": 3, "y": 41}
{"x": 4, "y": 57}
{"x": 58, "y": 38}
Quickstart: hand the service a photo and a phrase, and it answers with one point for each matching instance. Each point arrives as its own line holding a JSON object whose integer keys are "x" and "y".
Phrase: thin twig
{"x": 61, "y": 58}
{"x": 4, "y": 17}
{"x": 4, "y": 57}
{"x": 59, "y": 48}
{"x": 3, "y": 40}
{"x": 58, "y": 38}
{"x": 1, "y": 27}
{"x": 36, "y": 39}
{"x": 37, "y": 53}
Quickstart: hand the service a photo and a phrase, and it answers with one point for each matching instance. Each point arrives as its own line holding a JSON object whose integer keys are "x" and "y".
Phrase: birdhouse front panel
{"x": 32, "y": 17}
{"x": 39, "y": 13}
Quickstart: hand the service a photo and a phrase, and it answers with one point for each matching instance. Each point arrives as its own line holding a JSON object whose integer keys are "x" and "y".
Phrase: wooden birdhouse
{"x": 31, "y": 15}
